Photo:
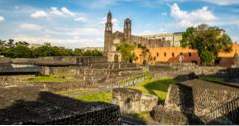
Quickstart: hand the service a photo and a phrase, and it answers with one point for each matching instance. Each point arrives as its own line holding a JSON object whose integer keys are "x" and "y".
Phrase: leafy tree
{"x": 19, "y": 51}
{"x": 10, "y": 43}
{"x": 209, "y": 41}
{"x": 92, "y": 53}
{"x": 127, "y": 51}
{"x": 78, "y": 52}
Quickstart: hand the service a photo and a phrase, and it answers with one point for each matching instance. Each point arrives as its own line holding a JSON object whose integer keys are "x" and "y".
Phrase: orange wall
{"x": 235, "y": 49}
{"x": 158, "y": 54}
{"x": 168, "y": 54}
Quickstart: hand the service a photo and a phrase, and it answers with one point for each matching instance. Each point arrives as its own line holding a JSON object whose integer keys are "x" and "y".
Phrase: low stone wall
{"x": 133, "y": 101}
{"x": 209, "y": 96}
{"x": 32, "y": 106}
{"x": 184, "y": 69}
{"x": 204, "y": 102}
{"x": 108, "y": 115}
{"x": 60, "y": 60}
{"x": 14, "y": 80}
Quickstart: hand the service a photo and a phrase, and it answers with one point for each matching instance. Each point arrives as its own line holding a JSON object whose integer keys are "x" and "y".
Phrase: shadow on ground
{"x": 33, "y": 107}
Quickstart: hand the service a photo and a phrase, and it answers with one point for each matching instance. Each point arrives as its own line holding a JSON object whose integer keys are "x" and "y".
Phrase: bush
{"x": 207, "y": 57}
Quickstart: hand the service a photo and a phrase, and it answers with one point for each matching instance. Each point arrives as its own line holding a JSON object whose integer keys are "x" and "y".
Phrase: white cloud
{"x": 56, "y": 11}
{"x": 61, "y": 12}
{"x": 2, "y": 18}
{"x": 32, "y": 27}
{"x": 222, "y": 2}
{"x": 81, "y": 19}
{"x": 196, "y": 17}
{"x": 67, "y": 12}
{"x": 39, "y": 14}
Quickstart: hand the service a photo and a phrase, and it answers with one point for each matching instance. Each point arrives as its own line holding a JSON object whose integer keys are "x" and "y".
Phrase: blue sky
{"x": 80, "y": 23}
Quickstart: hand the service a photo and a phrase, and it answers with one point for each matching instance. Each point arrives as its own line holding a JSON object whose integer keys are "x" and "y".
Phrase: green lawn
{"x": 155, "y": 87}
{"x": 149, "y": 86}
{"x": 88, "y": 95}
{"x": 51, "y": 78}
{"x": 98, "y": 96}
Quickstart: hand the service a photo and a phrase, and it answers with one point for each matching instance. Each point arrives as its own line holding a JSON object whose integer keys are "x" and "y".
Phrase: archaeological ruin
{"x": 92, "y": 90}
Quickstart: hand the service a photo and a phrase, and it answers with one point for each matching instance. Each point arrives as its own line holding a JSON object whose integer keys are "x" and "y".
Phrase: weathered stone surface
{"x": 202, "y": 102}
{"x": 31, "y": 106}
{"x": 147, "y": 102}
{"x": 133, "y": 101}
{"x": 172, "y": 100}
{"x": 157, "y": 112}
{"x": 127, "y": 99}
{"x": 173, "y": 118}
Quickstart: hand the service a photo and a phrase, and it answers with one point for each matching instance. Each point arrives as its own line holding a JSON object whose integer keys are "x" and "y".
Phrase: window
{"x": 172, "y": 54}
{"x": 190, "y": 54}
{"x": 165, "y": 54}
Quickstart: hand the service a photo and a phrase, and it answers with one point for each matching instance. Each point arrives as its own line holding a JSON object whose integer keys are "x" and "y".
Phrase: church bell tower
{"x": 108, "y": 33}
{"x": 127, "y": 29}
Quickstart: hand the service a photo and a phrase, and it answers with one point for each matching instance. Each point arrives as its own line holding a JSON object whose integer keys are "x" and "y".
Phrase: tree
{"x": 78, "y": 52}
{"x": 127, "y": 51}
{"x": 10, "y": 43}
{"x": 19, "y": 51}
{"x": 92, "y": 53}
{"x": 208, "y": 41}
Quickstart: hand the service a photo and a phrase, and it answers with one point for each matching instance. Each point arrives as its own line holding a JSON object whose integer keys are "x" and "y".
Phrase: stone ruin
{"x": 80, "y": 71}
{"x": 32, "y": 106}
{"x": 133, "y": 101}
{"x": 199, "y": 102}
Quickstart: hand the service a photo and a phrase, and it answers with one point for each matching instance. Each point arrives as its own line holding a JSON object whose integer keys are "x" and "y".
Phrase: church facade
{"x": 112, "y": 39}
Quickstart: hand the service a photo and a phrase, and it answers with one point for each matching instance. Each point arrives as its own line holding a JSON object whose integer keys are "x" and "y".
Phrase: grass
{"x": 50, "y": 78}
{"x": 98, "y": 96}
{"x": 158, "y": 88}
{"x": 88, "y": 95}
{"x": 155, "y": 87}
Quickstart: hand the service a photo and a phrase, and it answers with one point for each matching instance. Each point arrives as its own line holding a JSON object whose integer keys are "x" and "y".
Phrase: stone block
{"x": 133, "y": 101}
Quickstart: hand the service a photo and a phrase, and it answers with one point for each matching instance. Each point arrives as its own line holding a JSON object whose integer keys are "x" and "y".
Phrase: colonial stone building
{"x": 149, "y": 41}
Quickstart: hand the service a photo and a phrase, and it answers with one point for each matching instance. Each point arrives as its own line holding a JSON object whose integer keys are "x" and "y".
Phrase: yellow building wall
{"x": 235, "y": 49}
{"x": 172, "y": 54}
{"x": 167, "y": 55}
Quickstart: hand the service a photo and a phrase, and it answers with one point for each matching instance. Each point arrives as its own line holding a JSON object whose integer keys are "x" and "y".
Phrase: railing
{"x": 229, "y": 110}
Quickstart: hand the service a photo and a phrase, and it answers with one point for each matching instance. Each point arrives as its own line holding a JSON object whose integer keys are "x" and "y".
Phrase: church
{"x": 111, "y": 39}
{"x": 163, "y": 48}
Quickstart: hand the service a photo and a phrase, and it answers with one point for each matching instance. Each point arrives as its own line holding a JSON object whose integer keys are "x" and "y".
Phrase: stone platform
{"x": 31, "y": 106}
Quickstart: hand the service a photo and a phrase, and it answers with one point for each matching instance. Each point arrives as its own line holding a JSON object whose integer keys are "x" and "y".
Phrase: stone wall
{"x": 108, "y": 115}
{"x": 59, "y": 60}
{"x": 204, "y": 102}
{"x": 209, "y": 96}
{"x": 175, "y": 70}
{"x": 32, "y": 106}
{"x": 13, "y": 80}
{"x": 133, "y": 101}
